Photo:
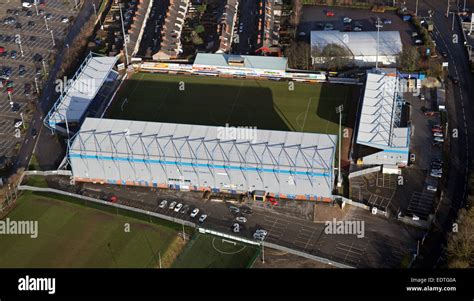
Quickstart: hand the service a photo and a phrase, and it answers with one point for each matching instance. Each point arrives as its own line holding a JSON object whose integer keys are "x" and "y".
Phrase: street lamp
{"x": 379, "y": 25}
{"x": 339, "y": 110}
{"x": 124, "y": 36}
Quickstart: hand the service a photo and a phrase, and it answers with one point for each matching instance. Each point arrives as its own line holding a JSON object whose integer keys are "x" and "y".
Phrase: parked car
{"x": 422, "y": 97}
{"x": 26, "y": 4}
{"x": 246, "y": 210}
{"x": 34, "y": 133}
{"x": 328, "y": 26}
{"x": 438, "y": 139}
{"x": 202, "y": 218}
{"x": 48, "y": 17}
{"x": 329, "y": 13}
{"x": 347, "y": 20}
{"x": 171, "y": 207}
{"x": 444, "y": 54}
{"x": 241, "y": 219}
{"x": 234, "y": 209}
{"x": 163, "y": 204}
{"x": 194, "y": 212}
{"x": 18, "y": 123}
{"x": 387, "y": 21}
{"x": 64, "y": 20}
{"x": 178, "y": 207}
{"x": 13, "y": 54}
{"x": 185, "y": 209}
{"x": 412, "y": 158}
{"x": 438, "y": 134}
{"x": 431, "y": 188}
{"x": 357, "y": 28}
{"x": 418, "y": 42}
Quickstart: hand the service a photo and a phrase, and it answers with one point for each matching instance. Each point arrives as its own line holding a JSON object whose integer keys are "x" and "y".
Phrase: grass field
{"x": 208, "y": 251}
{"x": 71, "y": 235}
{"x": 238, "y": 102}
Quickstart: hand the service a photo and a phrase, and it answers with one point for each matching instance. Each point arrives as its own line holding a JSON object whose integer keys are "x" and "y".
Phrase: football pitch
{"x": 207, "y": 251}
{"x": 265, "y": 104}
{"x": 71, "y": 235}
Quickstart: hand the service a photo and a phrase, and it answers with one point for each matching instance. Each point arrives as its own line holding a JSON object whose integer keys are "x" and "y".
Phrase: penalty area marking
{"x": 224, "y": 252}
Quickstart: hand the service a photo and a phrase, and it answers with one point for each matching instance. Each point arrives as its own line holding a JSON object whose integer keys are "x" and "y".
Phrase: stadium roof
{"x": 77, "y": 97}
{"x": 250, "y": 61}
{"x": 377, "y": 124}
{"x": 362, "y": 43}
{"x": 277, "y": 153}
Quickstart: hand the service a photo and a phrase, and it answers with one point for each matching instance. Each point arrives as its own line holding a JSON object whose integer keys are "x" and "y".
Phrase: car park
{"x": 194, "y": 212}
{"x": 163, "y": 204}
{"x": 173, "y": 203}
{"x": 178, "y": 207}
{"x": 202, "y": 218}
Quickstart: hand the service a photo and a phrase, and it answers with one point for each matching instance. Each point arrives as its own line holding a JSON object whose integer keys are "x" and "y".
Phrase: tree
{"x": 460, "y": 248}
{"x": 333, "y": 56}
{"x": 408, "y": 59}
{"x": 297, "y": 12}
{"x": 299, "y": 55}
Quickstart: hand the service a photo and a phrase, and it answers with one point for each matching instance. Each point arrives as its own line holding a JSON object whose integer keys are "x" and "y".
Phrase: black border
{"x": 126, "y": 283}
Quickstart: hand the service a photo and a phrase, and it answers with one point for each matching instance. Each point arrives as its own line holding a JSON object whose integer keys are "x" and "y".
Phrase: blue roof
{"x": 250, "y": 61}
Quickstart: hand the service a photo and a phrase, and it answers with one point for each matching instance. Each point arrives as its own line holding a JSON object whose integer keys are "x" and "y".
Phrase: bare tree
{"x": 460, "y": 248}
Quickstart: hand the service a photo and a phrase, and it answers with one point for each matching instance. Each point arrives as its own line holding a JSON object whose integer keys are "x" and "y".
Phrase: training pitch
{"x": 208, "y": 251}
{"x": 71, "y": 235}
{"x": 265, "y": 104}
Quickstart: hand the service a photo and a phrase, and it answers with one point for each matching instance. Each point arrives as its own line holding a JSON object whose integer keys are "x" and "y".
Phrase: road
{"x": 48, "y": 95}
{"x": 460, "y": 111}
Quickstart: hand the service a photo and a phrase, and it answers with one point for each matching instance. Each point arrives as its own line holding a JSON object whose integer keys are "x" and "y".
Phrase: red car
{"x": 10, "y": 90}
{"x": 329, "y": 14}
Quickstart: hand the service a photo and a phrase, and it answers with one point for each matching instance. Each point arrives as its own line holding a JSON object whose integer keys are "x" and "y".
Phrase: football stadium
{"x": 230, "y": 124}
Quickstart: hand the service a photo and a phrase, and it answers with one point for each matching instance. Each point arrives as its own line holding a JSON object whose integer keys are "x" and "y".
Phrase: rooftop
{"x": 249, "y": 61}
{"x": 362, "y": 43}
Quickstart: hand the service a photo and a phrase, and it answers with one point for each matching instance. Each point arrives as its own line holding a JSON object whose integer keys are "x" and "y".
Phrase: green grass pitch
{"x": 208, "y": 251}
{"x": 214, "y": 101}
{"x": 73, "y": 236}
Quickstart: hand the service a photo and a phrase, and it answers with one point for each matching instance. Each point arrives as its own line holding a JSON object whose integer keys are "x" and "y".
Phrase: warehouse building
{"x": 380, "y": 121}
{"x": 360, "y": 46}
{"x": 191, "y": 157}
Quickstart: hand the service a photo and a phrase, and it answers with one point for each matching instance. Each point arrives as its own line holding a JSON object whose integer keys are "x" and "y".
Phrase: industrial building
{"x": 79, "y": 92}
{"x": 191, "y": 157}
{"x": 361, "y": 46}
{"x": 380, "y": 121}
